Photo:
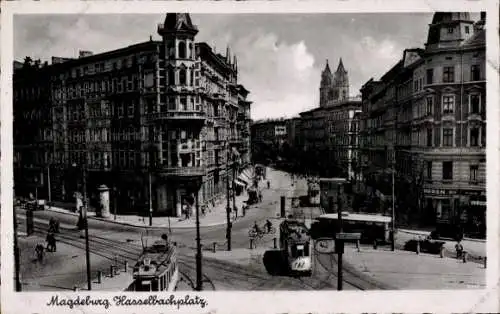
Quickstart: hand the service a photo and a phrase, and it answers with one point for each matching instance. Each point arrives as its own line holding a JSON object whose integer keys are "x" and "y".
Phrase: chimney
{"x": 483, "y": 16}
{"x": 84, "y": 53}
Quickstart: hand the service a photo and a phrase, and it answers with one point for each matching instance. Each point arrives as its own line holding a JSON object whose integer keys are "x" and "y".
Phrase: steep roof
{"x": 340, "y": 68}
{"x": 179, "y": 21}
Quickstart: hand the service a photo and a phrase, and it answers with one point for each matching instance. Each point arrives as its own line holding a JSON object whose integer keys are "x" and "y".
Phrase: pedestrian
{"x": 268, "y": 184}
{"x": 51, "y": 242}
{"x": 260, "y": 196}
{"x": 459, "y": 248}
{"x": 39, "y": 252}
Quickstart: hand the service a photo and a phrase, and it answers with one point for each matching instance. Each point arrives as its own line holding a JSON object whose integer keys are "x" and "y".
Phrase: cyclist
{"x": 256, "y": 227}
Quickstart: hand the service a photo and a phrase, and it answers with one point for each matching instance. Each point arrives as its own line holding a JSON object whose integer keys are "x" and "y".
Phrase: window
{"x": 475, "y": 73}
{"x": 448, "y": 74}
{"x": 171, "y": 103}
{"x": 448, "y": 137}
{"x": 474, "y": 103}
{"x": 183, "y": 104}
{"x": 130, "y": 109}
{"x": 483, "y": 135}
{"x": 182, "y": 50}
{"x": 450, "y": 30}
{"x": 429, "y": 137}
{"x": 429, "y": 105}
{"x": 182, "y": 77}
{"x": 448, "y": 104}
{"x": 429, "y": 170}
{"x": 473, "y": 169}
{"x": 474, "y": 137}
{"x": 171, "y": 76}
{"x": 447, "y": 170}
{"x": 467, "y": 29}
{"x": 430, "y": 76}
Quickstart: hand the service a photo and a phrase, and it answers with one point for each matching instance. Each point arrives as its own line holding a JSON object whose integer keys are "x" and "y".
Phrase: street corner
{"x": 239, "y": 256}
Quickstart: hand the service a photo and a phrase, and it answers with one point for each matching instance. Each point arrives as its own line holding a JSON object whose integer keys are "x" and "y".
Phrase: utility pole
{"x": 199, "y": 283}
{"x": 340, "y": 250}
{"x": 393, "y": 208}
{"x": 234, "y": 190}
{"x": 228, "y": 208}
{"x": 16, "y": 254}
{"x": 150, "y": 200}
{"x": 49, "y": 192}
{"x": 115, "y": 196}
{"x": 86, "y": 222}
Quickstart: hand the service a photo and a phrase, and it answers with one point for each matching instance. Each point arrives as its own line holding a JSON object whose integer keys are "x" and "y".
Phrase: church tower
{"x": 325, "y": 89}
{"x": 340, "y": 83}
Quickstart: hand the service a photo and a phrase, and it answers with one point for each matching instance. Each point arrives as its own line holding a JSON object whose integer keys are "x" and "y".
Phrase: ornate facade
{"x": 426, "y": 118}
{"x": 168, "y": 114}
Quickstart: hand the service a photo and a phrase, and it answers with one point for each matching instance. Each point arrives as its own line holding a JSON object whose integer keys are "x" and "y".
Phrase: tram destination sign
{"x": 348, "y": 236}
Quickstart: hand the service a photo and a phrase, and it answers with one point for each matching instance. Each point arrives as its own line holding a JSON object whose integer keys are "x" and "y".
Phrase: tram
{"x": 157, "y": 268}
{"x": 295, "y": 244}
{"x": 371, "y": 226}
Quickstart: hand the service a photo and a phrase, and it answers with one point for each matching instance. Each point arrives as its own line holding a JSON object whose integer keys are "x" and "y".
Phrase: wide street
{"x": 222, "y": 270}
{"x": 110, "y": 241}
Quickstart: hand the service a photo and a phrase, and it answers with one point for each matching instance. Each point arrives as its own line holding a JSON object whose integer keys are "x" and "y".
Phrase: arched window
{"x": 171, "y": 76}
{"x": 190, "y": 50}
{"x": 182, "y": 77}
{"x": 182, "y": 50}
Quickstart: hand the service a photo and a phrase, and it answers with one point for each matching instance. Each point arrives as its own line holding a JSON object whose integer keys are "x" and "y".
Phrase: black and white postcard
{"x": 257, "y": 157}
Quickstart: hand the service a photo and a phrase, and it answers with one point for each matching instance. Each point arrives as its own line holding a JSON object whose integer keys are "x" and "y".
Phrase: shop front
{"x": 464, "y": 208}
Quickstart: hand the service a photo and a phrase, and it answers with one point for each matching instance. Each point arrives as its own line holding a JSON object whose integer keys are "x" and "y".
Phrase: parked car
{"x": 428, "y": 246}
{"x": 445, "y": 230}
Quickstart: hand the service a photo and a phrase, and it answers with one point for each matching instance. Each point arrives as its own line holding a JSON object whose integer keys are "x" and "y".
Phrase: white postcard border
{"x": 263, "y": 302}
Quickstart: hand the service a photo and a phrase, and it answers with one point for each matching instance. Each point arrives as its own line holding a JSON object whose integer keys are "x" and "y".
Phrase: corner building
{"x": 430, "y": 125}
{"x": 167, "y": 114}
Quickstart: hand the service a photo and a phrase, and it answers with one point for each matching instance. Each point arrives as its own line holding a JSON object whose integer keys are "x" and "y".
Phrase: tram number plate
{"x": 348, "y": 236}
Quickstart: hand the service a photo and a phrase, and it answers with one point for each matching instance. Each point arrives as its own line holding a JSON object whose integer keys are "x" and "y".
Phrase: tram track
{"x": 113, "y": 250}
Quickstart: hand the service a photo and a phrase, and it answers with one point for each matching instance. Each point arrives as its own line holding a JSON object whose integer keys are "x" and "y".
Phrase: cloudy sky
{"x": 280, "y": 56}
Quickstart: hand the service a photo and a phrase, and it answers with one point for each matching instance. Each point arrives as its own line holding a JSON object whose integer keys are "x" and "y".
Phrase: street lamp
{"x": 228, "y": 208}
{"x": 16, "y": 254}
{"x": 393, "y": 209}
{"x": 199, "y": 283}
{"x": 86, "y": 225}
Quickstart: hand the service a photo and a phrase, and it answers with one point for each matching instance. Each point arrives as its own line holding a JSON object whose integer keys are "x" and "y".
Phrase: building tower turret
{"x": 325, "y": 89}
{"x": 449, "y": 29}
{"x": 341, "y": 83}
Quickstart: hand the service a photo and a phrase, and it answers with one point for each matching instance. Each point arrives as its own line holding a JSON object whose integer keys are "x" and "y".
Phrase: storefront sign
{"x": 441, "y": 192}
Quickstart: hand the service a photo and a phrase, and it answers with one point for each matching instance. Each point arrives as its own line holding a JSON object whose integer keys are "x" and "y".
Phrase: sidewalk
{"x": 474, "y": 247}
{"x": 65, "y": 269}
{"x": 407, "y": 270}
{"x": 214, "y": 217}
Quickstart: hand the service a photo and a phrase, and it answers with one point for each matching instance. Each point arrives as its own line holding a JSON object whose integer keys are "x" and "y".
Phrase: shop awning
{"x": 478, "y": 203}
{"x": 247, "y": 176}
{"x": 240, "y": 182}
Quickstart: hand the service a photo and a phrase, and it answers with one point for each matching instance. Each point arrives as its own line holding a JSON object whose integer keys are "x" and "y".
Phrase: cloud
{"x": 280, "y": 56}
{"x": 282, "y": 73}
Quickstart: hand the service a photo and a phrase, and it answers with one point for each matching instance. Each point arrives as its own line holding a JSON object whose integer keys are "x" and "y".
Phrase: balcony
{"x": 182, "y": 171}
{"x": 178, "y": 115}
{"x": 235, "y": 140}
{"x": 476, "y": 116}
